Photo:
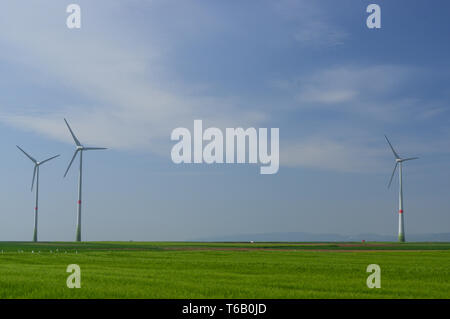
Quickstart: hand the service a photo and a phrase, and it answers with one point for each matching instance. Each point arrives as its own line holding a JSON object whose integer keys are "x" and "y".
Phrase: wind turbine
{"x": 36, "y": 176}
{"x": 398, "y": 162}
{"x": 80, "y": 149}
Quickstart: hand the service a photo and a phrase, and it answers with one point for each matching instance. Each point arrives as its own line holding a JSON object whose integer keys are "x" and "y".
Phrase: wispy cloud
{"x": 320, "y": 34}
{"x": 352, "y": 83}
{"x": 371, "y": 101}
{"x": 348, "y": 155}
{"x": 313, "y": 26}
{"x": 381, "y": 92}
{"x": 128, "y": 103}
{"x": 129, "y": 97}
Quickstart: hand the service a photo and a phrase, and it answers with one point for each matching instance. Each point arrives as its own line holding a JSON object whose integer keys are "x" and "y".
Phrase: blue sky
{"x": 138, "y": 69}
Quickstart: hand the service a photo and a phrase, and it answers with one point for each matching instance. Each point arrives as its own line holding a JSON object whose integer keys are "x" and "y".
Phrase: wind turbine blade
{"x": 392, "y": 176}
{"x": 410, "y": 159}
{"x": 70, "y": 164}
{"x": 29, "y": 156}
{"x": 48, "y": 159}
{"x": 93, "y": 148}
{"x": 34, "y": 176}
{"x": 393, "y": 151}
{"x": 73, "y": 135}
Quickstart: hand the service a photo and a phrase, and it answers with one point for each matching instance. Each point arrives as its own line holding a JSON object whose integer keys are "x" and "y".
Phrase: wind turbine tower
{"x": 398, "y": 162}
{"x": 80, "y": 149}
{"x": 36, "y": 177}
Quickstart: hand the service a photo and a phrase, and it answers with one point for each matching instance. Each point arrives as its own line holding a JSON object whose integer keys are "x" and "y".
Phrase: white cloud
{"x": 349, "y": 83}
{"x": 314, "y": 29}
{"x": 330, "y": 96}
{"x": 384, "y": 93}
{"x": 320, "y": 34}
{"x": 344, "y": 155}
{"x": 373, "y": 100}
{"x": 133, "y": 103}
{"x": 130, "y": 102}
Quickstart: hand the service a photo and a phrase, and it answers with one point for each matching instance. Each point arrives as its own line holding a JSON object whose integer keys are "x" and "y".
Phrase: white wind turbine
{"x": 398, "y": 162}
{"x": 80, "y": 149}
{"x": 36, "y": 177}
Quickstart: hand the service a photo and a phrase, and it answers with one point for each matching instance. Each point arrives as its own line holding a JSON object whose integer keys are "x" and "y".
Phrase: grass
{"x": 224, "y": 270}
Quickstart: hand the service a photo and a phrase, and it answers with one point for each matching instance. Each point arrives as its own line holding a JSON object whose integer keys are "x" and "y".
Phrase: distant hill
{"x": 302, "y": 237}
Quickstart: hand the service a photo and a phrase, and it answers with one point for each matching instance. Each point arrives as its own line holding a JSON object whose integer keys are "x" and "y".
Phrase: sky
{"x": 138, "y": 69}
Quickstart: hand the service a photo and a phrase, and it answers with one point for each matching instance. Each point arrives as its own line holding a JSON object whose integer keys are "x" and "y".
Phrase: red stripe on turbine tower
{"x": 79, "y": 202}
{"x": 35, "y": 208}
{"x": 400, "y": 211}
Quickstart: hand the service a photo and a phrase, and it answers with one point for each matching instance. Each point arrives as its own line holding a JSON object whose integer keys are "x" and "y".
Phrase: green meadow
{"x": 224, "y": 270}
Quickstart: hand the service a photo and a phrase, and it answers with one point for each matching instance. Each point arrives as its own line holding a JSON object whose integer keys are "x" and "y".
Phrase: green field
{"x": 224, "y": 270}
